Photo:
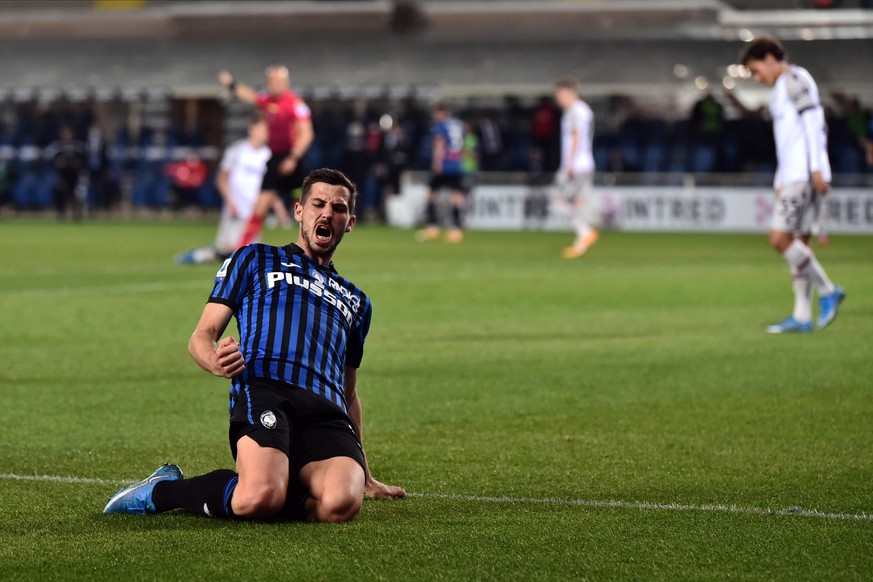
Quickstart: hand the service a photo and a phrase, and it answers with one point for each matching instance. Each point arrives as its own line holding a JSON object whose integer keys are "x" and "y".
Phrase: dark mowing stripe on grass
{"x": 641, "y": 505}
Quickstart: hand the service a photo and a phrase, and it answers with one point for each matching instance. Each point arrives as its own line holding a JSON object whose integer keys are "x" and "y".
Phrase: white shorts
{"x": 230, "y": 230}
{"x": 796, "y": 209}
{"x": 578, "y": 186}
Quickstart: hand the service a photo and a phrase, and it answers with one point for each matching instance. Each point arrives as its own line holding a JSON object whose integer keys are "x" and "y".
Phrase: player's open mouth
{"x": 323, "y": 233}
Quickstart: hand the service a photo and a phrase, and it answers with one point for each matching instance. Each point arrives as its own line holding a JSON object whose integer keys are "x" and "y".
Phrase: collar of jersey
{"x": 293, "y": 249}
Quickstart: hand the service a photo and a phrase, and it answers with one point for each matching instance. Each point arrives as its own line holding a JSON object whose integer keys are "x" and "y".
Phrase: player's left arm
{"x": 812, "y": 120}
{"x": 373, "y": 488}
{"x": 302, "y": 134}
{"x": 803, "y": 95}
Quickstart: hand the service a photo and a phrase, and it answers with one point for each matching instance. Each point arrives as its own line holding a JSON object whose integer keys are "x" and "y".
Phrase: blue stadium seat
{"x": 22, "y": 192}
{"x": 703, "y": 158}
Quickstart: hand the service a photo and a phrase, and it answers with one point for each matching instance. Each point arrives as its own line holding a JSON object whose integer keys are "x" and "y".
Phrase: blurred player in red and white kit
{"x": 575, "y": 177}
{"x": 290, "y": 127}
{"x": 239, "y": 179}
{"x": 803, "y": 174}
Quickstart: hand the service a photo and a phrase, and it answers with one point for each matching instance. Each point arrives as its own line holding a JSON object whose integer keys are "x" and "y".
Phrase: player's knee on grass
{"x": 261, "y": 500}
{"x": 338, "y": 505}
{"x": 336, "y": 489}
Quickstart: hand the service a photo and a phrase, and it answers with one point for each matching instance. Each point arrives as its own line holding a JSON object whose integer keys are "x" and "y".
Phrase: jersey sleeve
{"x": 800, "y": 93}
{"x": 229, "y": 156}
{"x": 301, "y": 110}
{"x": 814, "y": 130}
{"x": 577, "y": 120}
{"x": 357, "y": 337}
{"x": 233, "y": 279}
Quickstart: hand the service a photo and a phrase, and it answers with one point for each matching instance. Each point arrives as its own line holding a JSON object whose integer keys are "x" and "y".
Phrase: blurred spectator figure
{"x": 470, "y": 158}
{"x": 67, "y": 158}
{"x": 858, "y": 123}
{"x": 868, "y": 144}
{"x": 103, "y": 192}
{"x": 490, "y": 136}
{"x": 707, "y": 125}
{"x": 187, "y": 176}
{"x": 354, "y": 160}
{"x": 544, "y": 132}
{"x": 757, "y": 150}
{"x": 370, "y": 202}
{"x": 707, "y": 118}
{"x": 414, "y": 121}
{"x": 394, "y": 158}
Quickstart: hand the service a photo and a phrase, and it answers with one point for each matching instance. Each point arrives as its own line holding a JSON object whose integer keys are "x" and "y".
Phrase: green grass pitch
{"x": 508, "y": 390}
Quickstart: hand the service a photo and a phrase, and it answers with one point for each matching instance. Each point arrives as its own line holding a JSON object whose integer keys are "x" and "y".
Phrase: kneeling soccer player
{"x": 295, "y": 416}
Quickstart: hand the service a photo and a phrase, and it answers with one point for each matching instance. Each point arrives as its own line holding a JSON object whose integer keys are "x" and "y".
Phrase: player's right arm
{"x": 575, "y": 139}
{"x": 439, "y": 154}
{"x": 222, "y": 183}
{"x": 240, "y": 91}
{"x": 224, "y": 358}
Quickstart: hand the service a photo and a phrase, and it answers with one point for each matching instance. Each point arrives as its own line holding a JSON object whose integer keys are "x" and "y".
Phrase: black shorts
{"x": 451, "y": 181}
{"x": 284, "y": 184}
{"x": 301, "y": 424}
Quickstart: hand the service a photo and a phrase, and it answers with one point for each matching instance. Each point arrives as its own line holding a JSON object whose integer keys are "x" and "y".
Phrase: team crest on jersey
{"x": 268, "y": 419}
{"x": 222, "y": 272}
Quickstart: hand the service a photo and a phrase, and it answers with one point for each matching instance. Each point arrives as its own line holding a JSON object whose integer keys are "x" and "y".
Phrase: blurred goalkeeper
{"x": 575, "y": 177}
{"x": 295, "y": 415}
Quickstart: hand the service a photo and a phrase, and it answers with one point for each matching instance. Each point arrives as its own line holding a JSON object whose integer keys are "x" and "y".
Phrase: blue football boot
{"x": 790, "y": 325}
{"x": 829, "y": 305}
{"x": 186, "y": 258}
{"x": 137, "y": 498}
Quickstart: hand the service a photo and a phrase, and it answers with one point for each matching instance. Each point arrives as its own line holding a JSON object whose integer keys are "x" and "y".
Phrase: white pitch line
{"x": 595, "y": 503}
{"x": 61, "y": 479}
{"x": 645, "y": 505}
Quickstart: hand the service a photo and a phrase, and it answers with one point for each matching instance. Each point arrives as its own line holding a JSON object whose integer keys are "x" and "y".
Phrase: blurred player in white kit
{"x": 575, "y": 177}
{"x": 239, "y": 180}
{"x": 803, "y": 175}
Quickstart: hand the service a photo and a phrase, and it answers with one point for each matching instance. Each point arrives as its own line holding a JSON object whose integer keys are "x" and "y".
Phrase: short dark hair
{"x": 332, "y": 177}
{"x": 761, "y": 47}
{"x": 567, "y": 83}
{"x": 441, "y": 107}
{"x": 257, "y": 117}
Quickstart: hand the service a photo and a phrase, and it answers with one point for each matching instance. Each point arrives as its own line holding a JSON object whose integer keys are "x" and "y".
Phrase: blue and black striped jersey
{"x": 299, "y": 323}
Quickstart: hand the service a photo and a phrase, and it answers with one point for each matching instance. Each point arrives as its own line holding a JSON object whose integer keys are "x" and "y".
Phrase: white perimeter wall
{"x": 636, "y": 208}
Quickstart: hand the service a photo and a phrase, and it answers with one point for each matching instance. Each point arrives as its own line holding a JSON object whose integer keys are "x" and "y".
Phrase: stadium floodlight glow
{"x": 807, "y": 34}
{"x": 745, "y": 35}
{"x": 386, "y": 122}
{"x": 701, "y": 83}
{"x": 728, "y": 83}
{"x": 680, "y": 71}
